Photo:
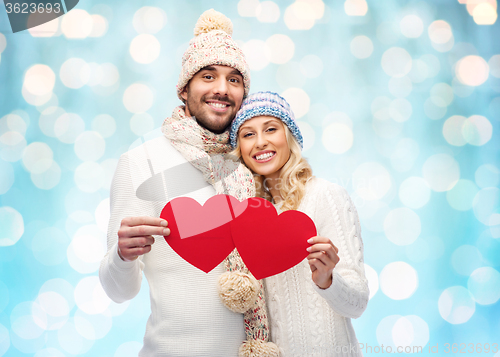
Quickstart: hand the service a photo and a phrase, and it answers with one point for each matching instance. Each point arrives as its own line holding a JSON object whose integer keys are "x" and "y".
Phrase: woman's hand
{"x": 322, "y": 259}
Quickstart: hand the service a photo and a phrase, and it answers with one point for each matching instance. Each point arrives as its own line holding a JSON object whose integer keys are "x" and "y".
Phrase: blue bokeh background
{"x": 398, "y": 101}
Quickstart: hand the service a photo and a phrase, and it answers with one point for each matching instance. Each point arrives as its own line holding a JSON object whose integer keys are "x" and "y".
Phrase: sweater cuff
{"x": 334, "y": 292}
{"x": 118, "y": 262}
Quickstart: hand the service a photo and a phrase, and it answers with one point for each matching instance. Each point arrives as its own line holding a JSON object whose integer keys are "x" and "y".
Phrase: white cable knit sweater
{"x": 187, "y": 317}
{"x": 305, "y": 320}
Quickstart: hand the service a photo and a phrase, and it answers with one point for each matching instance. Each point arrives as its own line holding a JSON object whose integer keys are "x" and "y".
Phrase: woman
{"x": 311, "y": 304}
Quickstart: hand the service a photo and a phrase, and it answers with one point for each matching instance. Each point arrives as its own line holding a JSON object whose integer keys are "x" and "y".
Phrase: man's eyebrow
{"x": 212, "y": 68}
{"x": 208, "y": 68}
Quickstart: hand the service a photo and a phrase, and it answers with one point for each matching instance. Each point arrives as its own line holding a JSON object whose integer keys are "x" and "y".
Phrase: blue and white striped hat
{"x": 265, "y": 103}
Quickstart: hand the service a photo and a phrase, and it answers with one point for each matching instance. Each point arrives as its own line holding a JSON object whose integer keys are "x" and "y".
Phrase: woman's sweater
{"x": 306, "y": 320}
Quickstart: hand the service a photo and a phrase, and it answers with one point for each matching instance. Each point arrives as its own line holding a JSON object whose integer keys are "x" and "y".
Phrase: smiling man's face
{"x": 213, "y": 96}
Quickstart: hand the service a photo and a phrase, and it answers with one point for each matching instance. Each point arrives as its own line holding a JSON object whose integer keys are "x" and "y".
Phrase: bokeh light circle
{"x": 138, "y": 98}
{"x": 104, "y": 124}
{"x": 402, "y": 226}
{"x": 37, "y": 157}
{"x": 396, "y": 62}
{"x": 39, "y": 80}
{"x": 411, "y": 26}
{"x": 89, "y": 176}
{"x": 257, "y": 54}
{"x": 356, "y": 7}
{"x": 56, "y": 308}
{"x": 268, "y": 12}
{"x": 361, "y": 47}
{"x": 86, "y": 249}
{"x": 486, "y": 204}
{"x": 400, "y": 110}
{"x": 371, "y": 181}
{"x": 337, "y": 138}
{"x": 95, "y": 326}
{"x": 398, "y": 280}
{"x": 435, "y": 111}
{"x": 149, "y": 20}
{"x": 77, "y": 24}
{"x": 281, "y": 48}
{"x": 90, "y": 296}
{"x": 410, "y": 331}
{"x": 372, "y": 277}
{"x": 7, "y": 176}
{"x": 12, "y": 145}
{"x": 487, "y": 175}
{"x": 74, "y": 73}
{"x": 414, "y": 192}
{"x": 47, "y": 179}
{"x": 311, "y": 66}
{"x": 145, "y": 48}
{"x": 99, "y": 26}
{"x": 72, "y": 341}
{"x": 3, "y": 42}
{"x": 68, "y": 127}
{"x": 89, "y": 146}
{"x": 441, "y": 171}
{"x": 307, "y": 133}
{"x": 465, "y": 259}
{"x": 49, "y": 246}
{"x": 484, "y": 285}
{"x": 461, "y": 196}
{"x": 299, "y": 101}
{"x": 129, "y": 349}
{"x": 142, "y": 123}
{"x": 400, "y": 87}
{"x": 456, "y": 305}
{"x": 477, "y": 130}
{"x": 472, "y": 70}
{"x": 12, "y": 224}
{"x": 440, "y": 32}
{"x": 452, "y": 130}
{"x": 300, "y": 15}
{"x": 494, "y": 64}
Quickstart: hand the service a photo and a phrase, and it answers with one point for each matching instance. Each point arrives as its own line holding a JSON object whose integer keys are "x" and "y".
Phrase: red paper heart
{"x": 201, "y": 235}
{"x": 270, "y": 244}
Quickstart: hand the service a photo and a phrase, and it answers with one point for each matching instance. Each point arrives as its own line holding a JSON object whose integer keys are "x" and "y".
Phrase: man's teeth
{"x": 264, "y": 156}
{"x": 218, "y": 105}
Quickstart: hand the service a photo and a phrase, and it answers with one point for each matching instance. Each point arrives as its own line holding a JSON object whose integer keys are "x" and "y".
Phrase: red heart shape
{"x": 201, "y": 235}
{"x": 270, "y": 244}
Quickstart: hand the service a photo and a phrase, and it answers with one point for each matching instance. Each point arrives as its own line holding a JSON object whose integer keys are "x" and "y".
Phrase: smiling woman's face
{"x": 263, "y": 145}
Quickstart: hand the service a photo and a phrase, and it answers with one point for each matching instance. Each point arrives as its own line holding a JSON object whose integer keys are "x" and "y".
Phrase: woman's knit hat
{"x": 265, "y": 103}
{"x": 212, "y": 45}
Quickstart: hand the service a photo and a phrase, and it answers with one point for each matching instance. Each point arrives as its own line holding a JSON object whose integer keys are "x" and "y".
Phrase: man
{"x": 187, "y": 317}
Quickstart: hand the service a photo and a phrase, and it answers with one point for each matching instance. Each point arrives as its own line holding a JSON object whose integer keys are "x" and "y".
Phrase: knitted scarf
{"x": 205, "y": 151}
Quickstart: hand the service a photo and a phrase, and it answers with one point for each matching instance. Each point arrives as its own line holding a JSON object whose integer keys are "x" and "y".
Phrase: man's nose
{"x": 220, "y": 86}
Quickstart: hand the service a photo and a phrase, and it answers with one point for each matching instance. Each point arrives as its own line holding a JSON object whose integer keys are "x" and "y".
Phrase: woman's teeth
{"x": 264, "y": 156}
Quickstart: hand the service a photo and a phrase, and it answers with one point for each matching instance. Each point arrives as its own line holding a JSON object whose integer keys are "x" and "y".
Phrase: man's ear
{"x": 184, "y": 94}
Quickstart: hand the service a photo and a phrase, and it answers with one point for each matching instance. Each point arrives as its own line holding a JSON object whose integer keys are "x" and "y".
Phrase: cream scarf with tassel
{"x": 238, "y": 289}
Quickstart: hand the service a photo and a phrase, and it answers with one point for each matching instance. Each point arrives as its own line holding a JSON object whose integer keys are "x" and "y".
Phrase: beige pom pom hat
{"x": 212, "y": 45}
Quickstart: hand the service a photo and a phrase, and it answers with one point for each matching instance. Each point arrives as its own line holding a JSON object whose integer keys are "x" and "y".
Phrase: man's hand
{"x": 135, "y": 235}
{"x": 322, "y": 259}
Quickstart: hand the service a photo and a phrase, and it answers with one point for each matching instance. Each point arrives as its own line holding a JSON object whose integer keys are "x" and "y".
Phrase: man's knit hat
{"x": 265, "y": 103}
{"x": 212, "y": 45}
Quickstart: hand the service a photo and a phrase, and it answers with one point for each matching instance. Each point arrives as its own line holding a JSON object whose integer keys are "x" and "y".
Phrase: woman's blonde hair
{"x": 293, "y": 176}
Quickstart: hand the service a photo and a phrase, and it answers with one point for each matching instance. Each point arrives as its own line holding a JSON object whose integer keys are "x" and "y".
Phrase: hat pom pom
{"x": 238, "y": 291}
{"x": 258, "y": 348}
{"x": 213, "y": 20}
